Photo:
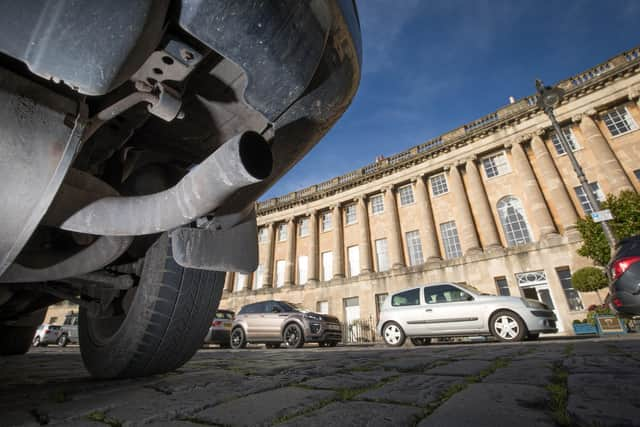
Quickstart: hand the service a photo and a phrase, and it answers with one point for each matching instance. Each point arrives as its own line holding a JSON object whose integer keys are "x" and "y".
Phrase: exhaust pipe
{"x": 102, "y": 252}
{"x": 243, "y": 160}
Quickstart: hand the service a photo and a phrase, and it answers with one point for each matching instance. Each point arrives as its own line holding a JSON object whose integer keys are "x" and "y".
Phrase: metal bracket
{"x": 233, "y": 249}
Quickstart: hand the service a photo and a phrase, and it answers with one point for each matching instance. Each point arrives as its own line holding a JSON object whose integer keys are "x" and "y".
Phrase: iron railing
{"x": 360, "y": 331}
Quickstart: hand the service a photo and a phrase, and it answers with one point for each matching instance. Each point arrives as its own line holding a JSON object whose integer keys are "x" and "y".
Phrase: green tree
{"x": 626, "y": 222}
{"x": 589, "y": 279}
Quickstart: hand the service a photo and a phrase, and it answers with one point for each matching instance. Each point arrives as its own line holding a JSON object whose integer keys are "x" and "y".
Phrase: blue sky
{"x": 430, "y": 66}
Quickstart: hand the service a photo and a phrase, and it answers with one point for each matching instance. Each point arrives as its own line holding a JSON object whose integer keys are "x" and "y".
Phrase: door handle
{"x": 428, "y": 309}
{"x": 283, "y": 315}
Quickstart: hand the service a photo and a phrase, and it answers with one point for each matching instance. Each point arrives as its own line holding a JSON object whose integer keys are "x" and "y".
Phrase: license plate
{"x": 227, "y": 325}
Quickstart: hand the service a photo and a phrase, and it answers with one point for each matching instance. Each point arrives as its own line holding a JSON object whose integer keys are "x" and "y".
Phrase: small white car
{"x": 46, "y": 334}
{"x": 447, "y": 309}
{"x": 69, "y": 331}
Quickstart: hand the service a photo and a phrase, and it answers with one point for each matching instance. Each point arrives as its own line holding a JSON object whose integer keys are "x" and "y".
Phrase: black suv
{"x": 624, "y": 275}
{"x": 275, "y": 322}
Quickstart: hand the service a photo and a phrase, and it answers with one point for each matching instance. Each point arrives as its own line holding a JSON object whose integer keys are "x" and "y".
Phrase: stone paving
{"x": 567, "y": 382}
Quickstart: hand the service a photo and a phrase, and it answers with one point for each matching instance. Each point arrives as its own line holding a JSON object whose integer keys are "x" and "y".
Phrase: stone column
{"x": 536, "y": 203}
{"x": 338, "y": 242}
{"x": 565, "y": 211}
{"x": 313, "y": 248}
{"x": 481, "y": 207}
{"x": 366, "y": 264}
{"x": 228, "y": 282}
{"x": 267, "y": 281}
{"x": 607, "y": 160}
{"x": 430, "y": 244}
{"x": 464, "y": 218}
{"x": 290, "y": 266}
{"x": 249, "y": 285}
{"x": 396, "y": 255}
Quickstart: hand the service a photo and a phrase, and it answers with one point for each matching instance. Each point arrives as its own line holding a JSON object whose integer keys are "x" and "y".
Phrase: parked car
{"x": 276, "y": 322}
{"x": 69, "y": 330}
{"x": 447, "y": 310}
{"x": 624, "y": 276}
{"x": 220, "y": 329}
{"x": 135, "y": 139}
{"x": 46, "y": 334}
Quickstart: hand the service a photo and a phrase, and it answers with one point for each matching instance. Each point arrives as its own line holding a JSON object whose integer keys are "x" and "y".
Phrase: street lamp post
{"x": 548, "y": 98}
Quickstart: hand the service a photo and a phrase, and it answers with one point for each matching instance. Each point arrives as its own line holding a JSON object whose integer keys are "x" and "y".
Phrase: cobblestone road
{"x": 546, "y": 383}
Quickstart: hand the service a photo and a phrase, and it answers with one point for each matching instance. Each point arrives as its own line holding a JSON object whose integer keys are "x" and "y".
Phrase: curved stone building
{"x": 493, "y": 204}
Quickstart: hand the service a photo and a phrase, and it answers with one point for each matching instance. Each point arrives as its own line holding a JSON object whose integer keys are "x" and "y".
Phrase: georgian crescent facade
{"x": 492, "y": 204}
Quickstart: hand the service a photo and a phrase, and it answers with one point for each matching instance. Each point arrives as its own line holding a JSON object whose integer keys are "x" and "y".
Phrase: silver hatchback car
{"x": 447, "y": 309}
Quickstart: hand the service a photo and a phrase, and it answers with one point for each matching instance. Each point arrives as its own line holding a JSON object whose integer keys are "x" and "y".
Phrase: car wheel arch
{"x": 289, "y": 322}
{"x": 513, "y": 312}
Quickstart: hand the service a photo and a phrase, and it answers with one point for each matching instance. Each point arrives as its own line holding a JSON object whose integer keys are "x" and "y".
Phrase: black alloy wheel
{"x": 238, "y": 338}
{"x": 293, "y": 337}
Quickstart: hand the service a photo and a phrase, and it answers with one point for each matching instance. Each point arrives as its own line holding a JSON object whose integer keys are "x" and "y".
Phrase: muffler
{"x": 243, "y": 160}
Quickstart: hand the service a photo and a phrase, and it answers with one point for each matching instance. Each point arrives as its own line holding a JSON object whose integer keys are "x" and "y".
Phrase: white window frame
{"x": 353, "y": 258}
{"x": 405, "y": 194}
{"x": 281, "y": 268}
{"x": 258, "y": 280}
{"x": 501, "y": 167}
{"x": 350, "y": 215}
{"x": 377, "y": 204}
{"x": 303, "y": 269}
{"x": 582, "y": 197}
{"x": 320, "y": 307}
{"x": 303, "y": 227}
{"x": 240, "y": 282}
{"x": 439, "y": 184}
{"x": 262, "y": 235}
{"x": 571, "y": 139}
{"x": 382, "y": 254}
{"x": 326, "y": 222}
{"x": 614, "y": 123}
{"x": 516, "y": 229}
{"x": 282, "y": 232}
{"x": 327, "y": 266}
{"x": 414, "y": 247}
{"x": 450, "y": 240}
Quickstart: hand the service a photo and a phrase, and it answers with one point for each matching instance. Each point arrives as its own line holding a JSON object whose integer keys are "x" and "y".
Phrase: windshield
{"x": 289, "y": 306}
{"x": 224, "y": 315}
{"x": 471, "y": 289}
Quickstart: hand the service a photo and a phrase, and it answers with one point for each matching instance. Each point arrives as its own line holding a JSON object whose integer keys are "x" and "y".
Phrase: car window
{"x": 445, "y": 293}
{"x": 251, "y": 308}
{"x": 54, "y": 327}
{"x": 410, "y": 297}
{"x": 224, "y": 315}
{"x": 269, "y": 307}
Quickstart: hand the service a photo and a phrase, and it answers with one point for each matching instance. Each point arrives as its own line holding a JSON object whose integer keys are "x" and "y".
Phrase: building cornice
{"x": 577, "y": 86}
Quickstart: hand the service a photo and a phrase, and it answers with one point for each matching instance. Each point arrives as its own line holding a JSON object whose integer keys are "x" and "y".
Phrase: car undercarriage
{"x": 135, "y": 139}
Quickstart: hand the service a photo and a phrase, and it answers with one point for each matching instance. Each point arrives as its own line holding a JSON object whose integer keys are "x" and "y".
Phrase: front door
{"x": 449, "y": 309}
{"x": 534, "y": 285}
{"x": 351, "y": 316}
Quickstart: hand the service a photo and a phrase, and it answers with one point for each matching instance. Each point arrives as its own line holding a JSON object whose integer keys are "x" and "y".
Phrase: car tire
{"x": 393, "y": 334}
{"x": 238, "y": 338}
{"x": 332, "y": 343}
{"x": 16, "y": 340}
{"x": 63, "y": 340}
{"x": 293, "y": 336}
{"x": 36, "y": 342}
{"x": 507, "y": 326}
{"x": 167, "y": 319}
{"x": 418, "y": 342}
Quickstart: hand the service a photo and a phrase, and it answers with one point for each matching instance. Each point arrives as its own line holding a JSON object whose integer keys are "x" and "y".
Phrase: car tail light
{"x": 46, "y": 331}
{"x": 622, "y": 265}
{"x": 217, "y": 322}
{"x": 617, "y": 302}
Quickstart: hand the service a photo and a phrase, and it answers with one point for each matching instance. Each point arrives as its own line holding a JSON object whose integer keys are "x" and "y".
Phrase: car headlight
{"x": 312, "y": 316}
{"x": 532, "y": 303}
